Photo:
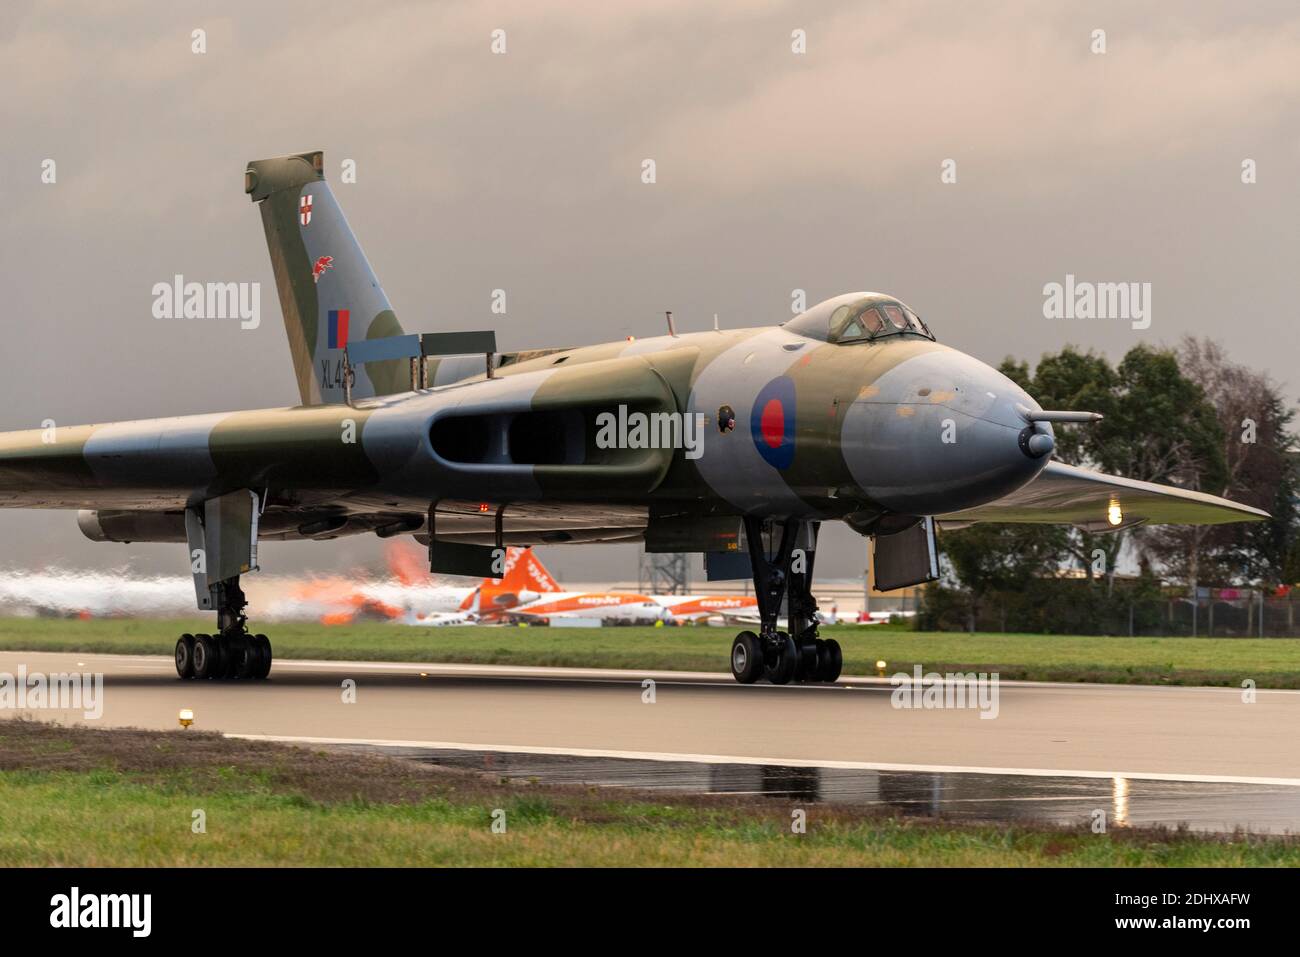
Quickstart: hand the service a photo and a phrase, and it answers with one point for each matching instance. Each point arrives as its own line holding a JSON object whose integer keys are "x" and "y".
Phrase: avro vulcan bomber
{"x": 738, "y": 443}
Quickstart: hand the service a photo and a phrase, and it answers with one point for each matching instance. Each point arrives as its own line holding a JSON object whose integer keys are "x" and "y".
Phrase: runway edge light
{"x": 186, "y": 717}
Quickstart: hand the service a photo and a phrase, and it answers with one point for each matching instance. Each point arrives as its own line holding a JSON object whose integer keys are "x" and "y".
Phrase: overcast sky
{"x": 776, "y": 171}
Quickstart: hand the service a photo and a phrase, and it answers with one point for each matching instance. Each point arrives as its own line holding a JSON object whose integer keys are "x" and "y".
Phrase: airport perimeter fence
{"x": 1252, "y": 616}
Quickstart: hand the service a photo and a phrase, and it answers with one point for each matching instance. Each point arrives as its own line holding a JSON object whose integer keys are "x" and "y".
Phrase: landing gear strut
{"x": 232, "y": 652}
{"x": 781, "y": 657}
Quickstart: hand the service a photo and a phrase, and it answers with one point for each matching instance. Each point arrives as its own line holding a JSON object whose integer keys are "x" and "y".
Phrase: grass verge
{"x": 89, "y": 797}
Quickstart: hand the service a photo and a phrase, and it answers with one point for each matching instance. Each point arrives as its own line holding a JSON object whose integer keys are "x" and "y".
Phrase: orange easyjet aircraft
{"x": 627, "y": 607}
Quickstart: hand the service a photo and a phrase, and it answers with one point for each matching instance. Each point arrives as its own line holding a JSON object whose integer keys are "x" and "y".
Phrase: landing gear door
{"x": 222, "y": 536}
{"x": 198, "y": 558}
{"x": 906, "y": 558}
{"x": 230, "y": 528}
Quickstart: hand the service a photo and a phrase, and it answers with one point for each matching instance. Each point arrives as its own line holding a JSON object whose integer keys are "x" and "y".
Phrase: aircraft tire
{"x": 206, "y": 660}
{"x": 262, "y": 648}
{"x": 248, "y": 658}
{"x": 185, "y": 656}
{"x": 229, "y": 651}
{"x": 747, "y": 658}
{"x": 820, "y": 668}
{"x": 829, "y": 668}
{"x": 787, "y": 657}
{"x": 807, "y": 664}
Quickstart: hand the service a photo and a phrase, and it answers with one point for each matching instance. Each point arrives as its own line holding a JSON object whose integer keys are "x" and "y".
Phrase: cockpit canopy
{"x": 858, "y": 317}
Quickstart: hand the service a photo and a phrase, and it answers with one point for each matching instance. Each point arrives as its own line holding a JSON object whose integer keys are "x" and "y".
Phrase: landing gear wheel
{"x": 221, "y": 658}
{"x": 781, "y": 669}
{"x": 185, "y": 656}
{"x": 782, "y": 573}
{"x": 806, "y": 664}
{"x": 249, "y": 661}
{"x": 206, "y": 659}
{"x": 747, "y": 658}
{"x": 262, "y": 647}
{"x": 229, "y": 656}
{"x": 831, "y": 664}
{"x": 819, "y": 648}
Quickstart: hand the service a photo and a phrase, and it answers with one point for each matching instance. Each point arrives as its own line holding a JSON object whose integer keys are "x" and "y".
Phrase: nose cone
{"x": 942, "y": 431}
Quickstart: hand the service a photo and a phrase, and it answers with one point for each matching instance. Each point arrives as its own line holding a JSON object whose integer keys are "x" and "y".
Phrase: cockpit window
{"x": 895, "y": 315}
{"x": 858, "y": 321}
{"x": 857, "y": 317}
{"x": 915, "y": 322}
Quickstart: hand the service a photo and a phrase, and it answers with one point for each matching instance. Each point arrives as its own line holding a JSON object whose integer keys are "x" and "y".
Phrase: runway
{"x": 1146, "y": 754}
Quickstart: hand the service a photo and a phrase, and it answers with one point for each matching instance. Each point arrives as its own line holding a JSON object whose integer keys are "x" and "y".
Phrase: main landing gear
{"x": 797, "y": 655}
{"x": 233, "y": 652}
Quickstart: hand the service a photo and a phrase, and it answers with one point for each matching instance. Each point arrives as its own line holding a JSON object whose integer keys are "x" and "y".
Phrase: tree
{"x": 988, "y": 558}
{"x": 1070, "y": 379}
{"x": 1255, "y": 468}
{"x": 1082, "y": 381}
{"x": 1158, "y": 426}
{"x": 1180, "y": 418}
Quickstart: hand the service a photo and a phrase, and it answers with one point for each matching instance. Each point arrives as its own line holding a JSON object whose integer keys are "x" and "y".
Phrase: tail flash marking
{"x": 338, "y": 328}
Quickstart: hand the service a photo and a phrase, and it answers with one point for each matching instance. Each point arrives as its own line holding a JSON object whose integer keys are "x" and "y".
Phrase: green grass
{"x": 75, "y": 796}
{"x": 1270, "y": 662}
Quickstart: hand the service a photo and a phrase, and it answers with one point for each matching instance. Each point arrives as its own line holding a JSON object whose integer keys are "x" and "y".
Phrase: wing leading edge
{"x": 1067, "y": 495}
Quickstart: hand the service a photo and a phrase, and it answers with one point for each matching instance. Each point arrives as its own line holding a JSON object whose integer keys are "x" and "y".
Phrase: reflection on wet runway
{"x": 1068, "y": 801}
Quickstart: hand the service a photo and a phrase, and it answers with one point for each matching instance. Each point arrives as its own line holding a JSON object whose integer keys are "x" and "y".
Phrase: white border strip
{"x": 782, "y": 762}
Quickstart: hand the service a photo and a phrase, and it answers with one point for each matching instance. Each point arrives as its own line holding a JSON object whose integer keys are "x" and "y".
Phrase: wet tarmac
{"x": 1058, "y": 801}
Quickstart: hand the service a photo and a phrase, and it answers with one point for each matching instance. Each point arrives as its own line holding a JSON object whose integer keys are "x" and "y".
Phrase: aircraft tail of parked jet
{"x": 524, "y": 580}
{"x": 328, "y": 293}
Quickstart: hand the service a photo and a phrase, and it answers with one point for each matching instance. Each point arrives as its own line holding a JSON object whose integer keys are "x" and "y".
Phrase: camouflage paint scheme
{"x": 823, "y": 430}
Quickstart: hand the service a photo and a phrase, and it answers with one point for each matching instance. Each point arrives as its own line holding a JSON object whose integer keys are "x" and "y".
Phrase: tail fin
{"x": 525, "y": 571}
{"x": 328, "y": 292}
{"x": 522, "y": 573}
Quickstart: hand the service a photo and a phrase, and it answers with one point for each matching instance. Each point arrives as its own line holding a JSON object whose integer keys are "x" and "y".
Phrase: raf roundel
{"x": 771, "y": 422}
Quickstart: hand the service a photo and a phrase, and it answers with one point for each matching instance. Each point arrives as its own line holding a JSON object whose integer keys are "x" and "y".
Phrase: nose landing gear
{"x": 800, "y": 654}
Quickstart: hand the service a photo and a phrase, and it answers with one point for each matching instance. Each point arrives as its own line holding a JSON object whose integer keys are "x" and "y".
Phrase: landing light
{"x": 1115, "y": 514}
{"x": 186, "y": 717}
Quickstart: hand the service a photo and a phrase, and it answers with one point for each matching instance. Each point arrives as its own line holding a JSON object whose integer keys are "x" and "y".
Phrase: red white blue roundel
{"x": 771, "y": 422}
